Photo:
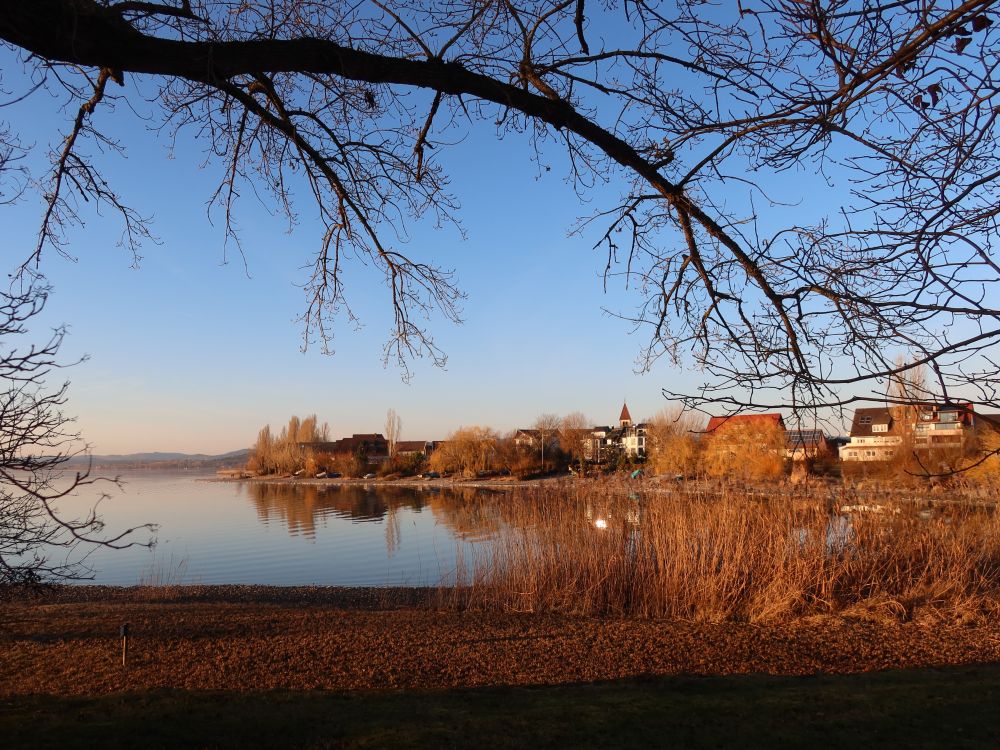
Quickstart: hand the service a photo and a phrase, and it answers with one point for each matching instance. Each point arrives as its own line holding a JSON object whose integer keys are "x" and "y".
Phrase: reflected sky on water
{"x": 303, "y": 533}
{"x": 287, "y": 534}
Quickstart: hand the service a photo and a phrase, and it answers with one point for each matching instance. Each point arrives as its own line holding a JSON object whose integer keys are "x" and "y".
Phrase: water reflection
{"x": 467, "y": 512}
{"x": 301, "y": 507}
{"x": 385, "y": 534}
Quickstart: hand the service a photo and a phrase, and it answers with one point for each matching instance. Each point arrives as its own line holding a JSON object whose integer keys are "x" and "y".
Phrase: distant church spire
{"x": 625, "y": 420}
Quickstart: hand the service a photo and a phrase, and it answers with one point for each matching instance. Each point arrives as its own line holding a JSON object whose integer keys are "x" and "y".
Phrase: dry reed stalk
{"x": 723, "y": 553}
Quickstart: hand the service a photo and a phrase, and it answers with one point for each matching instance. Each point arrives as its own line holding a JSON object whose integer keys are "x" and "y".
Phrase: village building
{"x": 802, "y": 445}
{"x": 877, "y": 433}
{"x": 601, "y": 445}
{"x": 413, "y": 447}
{"x": 532, "y": 438}
{"x": 723, "y": 432}
{"x": 372, "y": 446}
{"x": 628, "y": 438}
{"x": 633, "y": 436}
{"x": 721, "y": 425}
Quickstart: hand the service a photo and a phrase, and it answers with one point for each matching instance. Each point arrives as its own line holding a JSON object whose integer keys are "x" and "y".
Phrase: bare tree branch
{"x": 696, "y": 113}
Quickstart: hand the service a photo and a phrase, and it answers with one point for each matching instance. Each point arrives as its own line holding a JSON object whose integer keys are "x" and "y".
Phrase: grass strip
{"x": 923, "y": 708}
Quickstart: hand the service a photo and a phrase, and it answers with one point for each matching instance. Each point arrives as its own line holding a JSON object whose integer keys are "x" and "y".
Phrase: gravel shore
{"x": 66, "y": 642}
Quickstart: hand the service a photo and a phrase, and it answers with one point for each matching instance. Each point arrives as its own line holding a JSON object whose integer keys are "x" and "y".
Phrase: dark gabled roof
{"x": 372, "y": 441}
{"x": 763, "y": 419}
{"x": 861, "y": 426}
{"x": 865, "y": 418}
{"x": 411, "y": 446}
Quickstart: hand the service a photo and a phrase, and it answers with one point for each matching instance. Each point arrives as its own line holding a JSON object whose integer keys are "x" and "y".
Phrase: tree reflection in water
{"x": 470, "y": 514}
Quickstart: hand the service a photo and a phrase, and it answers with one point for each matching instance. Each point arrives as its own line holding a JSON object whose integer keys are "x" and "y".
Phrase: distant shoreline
{"x": 490, "y": 483}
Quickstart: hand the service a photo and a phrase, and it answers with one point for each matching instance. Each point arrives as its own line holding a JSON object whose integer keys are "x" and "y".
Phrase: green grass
{"x": 951, "y": 708}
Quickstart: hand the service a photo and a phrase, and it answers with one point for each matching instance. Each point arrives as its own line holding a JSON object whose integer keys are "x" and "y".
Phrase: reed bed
{"x": 734, "y": 554}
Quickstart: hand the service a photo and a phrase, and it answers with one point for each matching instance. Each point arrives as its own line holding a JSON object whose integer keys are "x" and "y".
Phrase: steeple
{"x": 625, "y": 420}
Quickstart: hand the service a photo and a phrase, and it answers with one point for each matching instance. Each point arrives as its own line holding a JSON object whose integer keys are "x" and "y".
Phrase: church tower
{"x": 625, "y": 420}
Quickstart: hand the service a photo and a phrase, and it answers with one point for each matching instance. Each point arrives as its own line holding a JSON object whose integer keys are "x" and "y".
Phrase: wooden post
{"x": 124, "y": 635}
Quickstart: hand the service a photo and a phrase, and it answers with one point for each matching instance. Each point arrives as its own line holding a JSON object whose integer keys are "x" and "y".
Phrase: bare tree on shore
{"x": 547, "y": 427}
{"x": 575, "y": 434}
{"x": 393, "y": 429}
{"x": 882, "y": 113}
{"x": 39, "y": 541}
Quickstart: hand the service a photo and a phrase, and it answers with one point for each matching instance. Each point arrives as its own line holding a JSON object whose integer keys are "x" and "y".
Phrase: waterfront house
{"x": 879, "y": 433}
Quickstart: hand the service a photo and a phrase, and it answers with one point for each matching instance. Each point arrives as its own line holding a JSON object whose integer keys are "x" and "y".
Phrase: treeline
{"x": 283, "y": 453}
{"x": 559, "y": 443}
{"x": 675, "y": 444}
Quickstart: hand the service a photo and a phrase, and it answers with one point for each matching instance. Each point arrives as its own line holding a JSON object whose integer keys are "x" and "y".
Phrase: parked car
{"x": 432, "y": 475}
{"x": 369, "y": 475}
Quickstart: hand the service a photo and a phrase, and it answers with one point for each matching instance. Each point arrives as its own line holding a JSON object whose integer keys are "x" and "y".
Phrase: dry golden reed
{"x": 733, "y": 554}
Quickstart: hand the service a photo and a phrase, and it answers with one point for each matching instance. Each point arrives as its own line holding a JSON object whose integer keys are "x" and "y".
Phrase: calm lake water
{"x": 222, "y": 532}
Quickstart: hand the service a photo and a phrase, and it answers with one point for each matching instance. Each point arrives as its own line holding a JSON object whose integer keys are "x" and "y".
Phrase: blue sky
{"x": 194, "y": 350}
{"x": 189, "y": 353}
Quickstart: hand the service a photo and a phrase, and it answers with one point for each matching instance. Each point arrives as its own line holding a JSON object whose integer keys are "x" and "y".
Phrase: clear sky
{"x": 190, "y": 353}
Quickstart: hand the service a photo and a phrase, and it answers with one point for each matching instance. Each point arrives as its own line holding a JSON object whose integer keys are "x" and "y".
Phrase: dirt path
{"x": 253, "y": 638}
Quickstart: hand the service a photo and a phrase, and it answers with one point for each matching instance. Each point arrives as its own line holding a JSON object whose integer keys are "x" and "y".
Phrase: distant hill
{"x": 164, "y": 460}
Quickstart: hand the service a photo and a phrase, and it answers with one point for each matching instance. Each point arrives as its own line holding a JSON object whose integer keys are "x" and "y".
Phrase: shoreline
{"x": 320, "y": 667}
{"x": 66, "y": 641}
{"x": 445, "y": 482}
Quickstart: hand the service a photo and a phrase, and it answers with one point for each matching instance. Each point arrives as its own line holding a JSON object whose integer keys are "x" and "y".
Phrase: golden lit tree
{"x": 745, "y": 449}
{"x": 672, "y": 442}
{"x": 982, "y": 462}
{"x": 469, "y": 450}
{"x": 574, "y": 436}
{"x": 288, "y": 452}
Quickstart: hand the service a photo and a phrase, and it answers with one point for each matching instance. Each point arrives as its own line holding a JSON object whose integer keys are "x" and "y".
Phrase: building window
{"x": 880, "y": 428}
{"x": 948, "y": 416}
{"x": 865, "y": 419}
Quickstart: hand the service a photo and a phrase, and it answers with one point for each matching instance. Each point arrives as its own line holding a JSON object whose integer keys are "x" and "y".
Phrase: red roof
{"x": 625, "y": 416}
{"x": 716, "y": 422}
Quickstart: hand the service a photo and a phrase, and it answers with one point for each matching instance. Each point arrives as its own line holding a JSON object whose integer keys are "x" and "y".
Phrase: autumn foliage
{"x": 283, "y": 453}
{"x": 745, "y": 450}
{"x": 468, "y": 450}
